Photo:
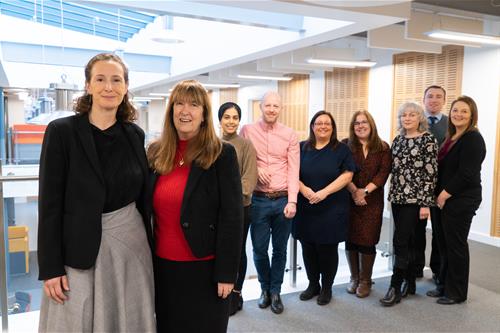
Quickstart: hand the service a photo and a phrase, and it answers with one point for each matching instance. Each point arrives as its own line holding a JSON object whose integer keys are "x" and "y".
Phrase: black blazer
{"x": 459, "y": 171}
{"x": 72, "y": 193}
{"x": 212, "y": 213}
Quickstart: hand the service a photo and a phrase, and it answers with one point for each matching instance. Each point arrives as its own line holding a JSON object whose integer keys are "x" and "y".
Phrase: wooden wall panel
{"x": 346, "y": 92}
{"x": 414, "y": 71}
{"x": 295, "y": 98}
{"x": 228, "y": 95}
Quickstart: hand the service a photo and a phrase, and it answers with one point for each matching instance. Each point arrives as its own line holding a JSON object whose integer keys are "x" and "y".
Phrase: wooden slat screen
{"x": 415, "y": 71}
{"x": 295, "y": 98}
{"x": 346, "y": 91}
{"x": 228, "y": 95}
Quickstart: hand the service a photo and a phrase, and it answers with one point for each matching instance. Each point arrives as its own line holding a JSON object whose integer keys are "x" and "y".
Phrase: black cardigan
{"x": 459, "y": 171}
{"x": 71, "y": 195}
{"x": 212, "y": 213}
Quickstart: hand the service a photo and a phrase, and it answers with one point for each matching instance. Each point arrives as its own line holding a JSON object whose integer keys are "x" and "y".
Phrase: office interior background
{"x": 338, "y": 56}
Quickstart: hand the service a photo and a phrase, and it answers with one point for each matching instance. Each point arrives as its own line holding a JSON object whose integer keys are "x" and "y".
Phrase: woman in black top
{"x": 94, "y": 252}
{"x": 459, "y": 196}
{"x": 411, "y": 193}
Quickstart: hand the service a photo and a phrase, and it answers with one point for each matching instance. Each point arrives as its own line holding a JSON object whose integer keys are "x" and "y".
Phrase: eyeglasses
{"x": 323, "y": 124}
{"x": 362, "y": 122}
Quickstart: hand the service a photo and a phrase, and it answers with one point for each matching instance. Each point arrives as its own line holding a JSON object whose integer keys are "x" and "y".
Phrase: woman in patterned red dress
{"x": 373, "y": 159}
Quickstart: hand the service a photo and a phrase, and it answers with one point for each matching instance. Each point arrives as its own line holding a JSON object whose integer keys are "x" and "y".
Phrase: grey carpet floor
{"x": 347, "y": 313}
{"x": 417, "y": 313}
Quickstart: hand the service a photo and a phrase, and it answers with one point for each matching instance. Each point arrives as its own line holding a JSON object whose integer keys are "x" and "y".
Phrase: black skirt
{"x": 186, "y": 297}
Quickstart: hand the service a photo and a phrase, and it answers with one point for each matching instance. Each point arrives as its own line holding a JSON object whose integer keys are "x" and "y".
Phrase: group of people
{"x": 154, "y": 240}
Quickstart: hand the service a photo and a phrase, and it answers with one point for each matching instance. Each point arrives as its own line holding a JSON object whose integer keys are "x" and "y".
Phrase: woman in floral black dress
{"x": 411, "y": 193}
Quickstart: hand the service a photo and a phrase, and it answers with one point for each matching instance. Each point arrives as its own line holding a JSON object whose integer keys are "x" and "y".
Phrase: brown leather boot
{"x": 365, "y": 280}
{"x": 353, "y": 261}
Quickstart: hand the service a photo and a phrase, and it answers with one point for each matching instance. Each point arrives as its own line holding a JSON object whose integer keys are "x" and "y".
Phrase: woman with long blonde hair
{"x": 198, "y": 216}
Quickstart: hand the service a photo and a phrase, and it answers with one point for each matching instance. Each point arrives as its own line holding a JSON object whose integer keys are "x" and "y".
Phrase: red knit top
{"x": 167, "y": 202}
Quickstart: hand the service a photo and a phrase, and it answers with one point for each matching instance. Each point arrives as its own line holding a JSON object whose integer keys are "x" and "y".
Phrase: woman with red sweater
{"x": 198, "y": 216}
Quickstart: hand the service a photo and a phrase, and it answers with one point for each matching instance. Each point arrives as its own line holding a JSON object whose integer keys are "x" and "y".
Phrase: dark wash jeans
{"x": 269, "y": 222}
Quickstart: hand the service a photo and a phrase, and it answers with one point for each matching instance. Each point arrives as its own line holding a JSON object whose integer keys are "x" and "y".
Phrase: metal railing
{"x": 4, "y": 250}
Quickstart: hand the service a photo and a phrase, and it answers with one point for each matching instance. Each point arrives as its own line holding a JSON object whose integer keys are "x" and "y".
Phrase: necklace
{"x": 181, "y": 161}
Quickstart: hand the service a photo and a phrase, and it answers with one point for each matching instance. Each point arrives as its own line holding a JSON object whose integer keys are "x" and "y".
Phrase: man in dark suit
{"x": 434, "y": 101}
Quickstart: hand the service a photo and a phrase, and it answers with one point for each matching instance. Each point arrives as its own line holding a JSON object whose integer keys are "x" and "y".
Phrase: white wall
{"x": 16, "y": 110}
{"x": 380, "y": 88}
{"x": 481, "y": 81}
{"x": 316, "y": 92}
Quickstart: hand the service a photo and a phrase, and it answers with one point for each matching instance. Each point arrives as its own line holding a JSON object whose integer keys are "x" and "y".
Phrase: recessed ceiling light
{"x": 463, "y": 37}
{"x": 342, "y": 63}
{"x": 220, "y": 85}
{"x": 260, "y": 77}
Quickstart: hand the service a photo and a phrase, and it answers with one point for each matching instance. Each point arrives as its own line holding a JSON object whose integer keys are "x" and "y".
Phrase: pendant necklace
{"x": 181, "y": 161}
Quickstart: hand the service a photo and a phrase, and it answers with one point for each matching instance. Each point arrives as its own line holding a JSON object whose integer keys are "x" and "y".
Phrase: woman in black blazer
{"x": 93, "y": 251}
{"x": 198, "y": 216}
{"x": 459, "y": 196}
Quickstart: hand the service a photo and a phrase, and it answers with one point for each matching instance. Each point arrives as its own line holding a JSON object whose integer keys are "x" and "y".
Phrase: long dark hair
{"x": 311, "y": 141}
{"x": 126, "y": 111}
{"x": 374, "y": 144}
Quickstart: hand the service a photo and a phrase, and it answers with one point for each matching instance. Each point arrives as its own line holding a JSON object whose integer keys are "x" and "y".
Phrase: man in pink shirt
{"x": 275, "y": 197}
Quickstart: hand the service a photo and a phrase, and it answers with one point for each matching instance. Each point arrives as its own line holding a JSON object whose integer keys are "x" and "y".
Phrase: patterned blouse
{"x": 414, "y": 170}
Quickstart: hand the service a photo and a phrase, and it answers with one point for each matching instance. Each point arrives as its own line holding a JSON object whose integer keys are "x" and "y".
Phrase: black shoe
{"x": 325, "y": 296}
{"x": 265, "y": 299}
{"x": 438, "y": 292}
{"x": 392, "y": 297}
{"x": 409, "y": 287}
{"x": 310, "y": 292}
{"x": 276, "y": 305}
{"x": 235, "y": 302}
{"x": 448, "y": 301}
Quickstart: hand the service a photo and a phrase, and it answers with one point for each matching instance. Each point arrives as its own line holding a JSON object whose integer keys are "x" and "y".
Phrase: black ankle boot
{"x": 311, "y": 291}
{"x": 409, "y": 287}
{"x": 392, "y": 297}
{"x": 325, "y": 296}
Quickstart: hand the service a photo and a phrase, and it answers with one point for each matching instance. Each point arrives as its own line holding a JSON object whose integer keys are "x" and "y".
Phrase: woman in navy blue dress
{"x": 326, "y": 167}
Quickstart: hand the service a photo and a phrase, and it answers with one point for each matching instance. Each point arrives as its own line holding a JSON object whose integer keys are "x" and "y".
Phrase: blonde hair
{"x": 203, "y": 149}
{"x": 423, "y": 125}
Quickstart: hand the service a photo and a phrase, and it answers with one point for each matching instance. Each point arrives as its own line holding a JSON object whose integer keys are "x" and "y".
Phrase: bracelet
{"x": 366, "y": 191}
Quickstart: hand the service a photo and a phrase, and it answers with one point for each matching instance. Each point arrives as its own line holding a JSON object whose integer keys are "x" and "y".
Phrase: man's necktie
{"x": 432, "y": 120}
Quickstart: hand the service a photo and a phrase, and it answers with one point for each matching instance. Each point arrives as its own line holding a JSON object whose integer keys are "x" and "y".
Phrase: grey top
{"x": 439, "y": 129}
{"x": 247, "y": 161}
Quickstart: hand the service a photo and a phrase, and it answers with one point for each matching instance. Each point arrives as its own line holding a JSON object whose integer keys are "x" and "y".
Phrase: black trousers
{"x": 453, "y": 226}
{"x": 321, "y": 260}
{"x": 406, "y": 218}
{"x": 243, "y": 260}
{"x": 186, "y": 297}
{"x": 421, "y": 243}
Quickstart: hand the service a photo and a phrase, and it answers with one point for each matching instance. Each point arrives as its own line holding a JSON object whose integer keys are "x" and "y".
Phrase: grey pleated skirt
{"x": 117, "y": 294}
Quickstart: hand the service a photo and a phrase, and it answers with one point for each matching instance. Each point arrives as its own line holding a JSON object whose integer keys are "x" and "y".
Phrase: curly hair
{"x": 126, "y": 110}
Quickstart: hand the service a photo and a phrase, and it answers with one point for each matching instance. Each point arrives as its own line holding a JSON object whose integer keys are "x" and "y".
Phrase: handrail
{"x": 3, "y": 248}
{"x": 17, "y": 178}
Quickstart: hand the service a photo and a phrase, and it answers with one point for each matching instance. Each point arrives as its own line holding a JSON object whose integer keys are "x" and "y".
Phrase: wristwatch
{"x": 366, "y": 191}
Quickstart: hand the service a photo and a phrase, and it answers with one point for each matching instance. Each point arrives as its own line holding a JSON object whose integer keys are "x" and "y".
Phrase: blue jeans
{"x": 268, "y": 220}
